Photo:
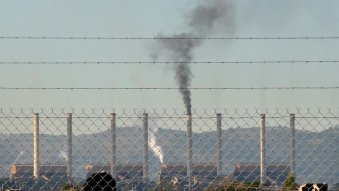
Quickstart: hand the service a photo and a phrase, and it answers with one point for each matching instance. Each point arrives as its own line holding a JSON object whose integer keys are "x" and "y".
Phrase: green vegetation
{"x": 233, "y": 185}
{"x": 289, "y": 184}
{"x": 68, "y": 187}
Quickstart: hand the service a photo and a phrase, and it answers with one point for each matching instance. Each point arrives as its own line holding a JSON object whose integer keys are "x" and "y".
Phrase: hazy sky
{"x": 135, "y": 18}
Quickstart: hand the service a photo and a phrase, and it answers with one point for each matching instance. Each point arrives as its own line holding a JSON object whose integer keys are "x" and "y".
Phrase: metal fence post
{"x": 113, "y": 131}
{"x": 69, "y": 148}
{"x": 219, "y": 144}
{"x": 36, "y": 146}
{"x": 262, "y": 150}
{"x": 185, "y": 168}
{"x": 292, "y": 145}
{"x": 145, "y": 149}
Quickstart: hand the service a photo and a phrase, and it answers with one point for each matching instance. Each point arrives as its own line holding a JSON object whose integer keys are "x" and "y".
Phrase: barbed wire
{"x": 179, "y": 117}
{"x": 168, "y": 38}
{"x": 165, "y": 62}
{"x": 177, "y": 88}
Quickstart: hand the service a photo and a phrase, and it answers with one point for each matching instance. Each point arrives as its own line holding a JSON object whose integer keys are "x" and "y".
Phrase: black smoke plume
{"x": 201, "y": 21}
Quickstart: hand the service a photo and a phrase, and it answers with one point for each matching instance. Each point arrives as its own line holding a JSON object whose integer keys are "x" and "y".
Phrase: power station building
{"x": 47, "y": 172}
{"x": 177, "y": 173}
{"x": 203, "y": 170}
{"x": 124, "y": 172}
{"x": 250, "y": 172}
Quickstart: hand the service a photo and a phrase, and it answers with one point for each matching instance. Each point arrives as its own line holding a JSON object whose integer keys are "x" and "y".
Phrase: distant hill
{"x": 317, "y": 152}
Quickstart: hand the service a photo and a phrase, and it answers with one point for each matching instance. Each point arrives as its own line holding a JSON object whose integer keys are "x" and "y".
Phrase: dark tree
{"x": 100, "y": 182}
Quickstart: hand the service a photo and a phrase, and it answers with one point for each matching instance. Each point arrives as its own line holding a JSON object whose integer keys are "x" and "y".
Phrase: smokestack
{"x": 113, "y": 162}
{"x": 219, "y": 143}
{"x": 36, "y": 146}
{"x": 145, "y": 149}
{"x": 292, "y": 145}
{"x": 69, "y": 148}
{"x": 262, "y": 150}
{"x": 203, "y": 20}
{"x": 189, "y": 144}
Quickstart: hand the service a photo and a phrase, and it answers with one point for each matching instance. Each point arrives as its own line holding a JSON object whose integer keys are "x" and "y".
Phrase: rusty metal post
{"x": 36, "y": 146}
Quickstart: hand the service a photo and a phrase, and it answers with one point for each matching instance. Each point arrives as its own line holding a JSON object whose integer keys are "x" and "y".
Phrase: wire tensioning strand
{"x": 175, "y": 88}
{"x": 168, "y": 38}
{"x": 164, "y": 62}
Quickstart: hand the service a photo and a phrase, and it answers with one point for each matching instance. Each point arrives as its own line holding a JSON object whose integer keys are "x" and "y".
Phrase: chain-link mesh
{"x": 241, "y": 149}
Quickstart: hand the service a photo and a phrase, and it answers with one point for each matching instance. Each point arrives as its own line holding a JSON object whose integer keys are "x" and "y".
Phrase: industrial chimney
{"x": 189, "y": 143}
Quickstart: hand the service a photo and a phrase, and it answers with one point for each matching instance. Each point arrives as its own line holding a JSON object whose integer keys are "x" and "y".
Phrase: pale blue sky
{"x": 135, "y": 18}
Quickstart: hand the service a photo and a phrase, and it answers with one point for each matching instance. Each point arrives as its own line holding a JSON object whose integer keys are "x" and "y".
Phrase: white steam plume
{"x": 18, "y": 157}
{"x": 63, "y": 154}
{"x": 152, "y": 142}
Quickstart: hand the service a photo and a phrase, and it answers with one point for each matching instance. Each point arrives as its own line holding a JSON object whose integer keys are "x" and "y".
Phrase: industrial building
{"x": 204, "y": 171}
{"x": 124, "y": 172}
{"x": 201, "y": 170}
{"x": 250, "y": 172}
{"x": 21, "y": 177}
{"x": 47, "y": 172}
{"x": 177, "y": 173}
{"x": 169, "y": 171}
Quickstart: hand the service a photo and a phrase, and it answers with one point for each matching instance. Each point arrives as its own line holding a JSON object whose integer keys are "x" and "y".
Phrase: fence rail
{"x": 51, "y": 149}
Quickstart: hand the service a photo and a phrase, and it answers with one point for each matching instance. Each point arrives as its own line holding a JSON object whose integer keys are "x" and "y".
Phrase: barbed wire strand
{"x": 164, "y": 62}
{"x": 168, "y": 38}
{"x": 178, "y": 117}
{"x": 176, "y": 88}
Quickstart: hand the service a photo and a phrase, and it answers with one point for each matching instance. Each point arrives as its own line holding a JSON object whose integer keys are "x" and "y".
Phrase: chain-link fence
{"x": 164, "y": 149}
